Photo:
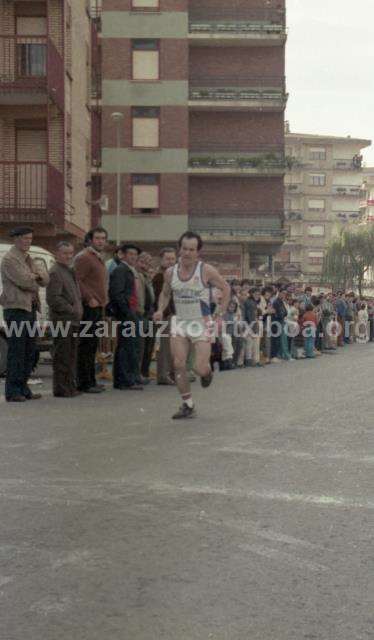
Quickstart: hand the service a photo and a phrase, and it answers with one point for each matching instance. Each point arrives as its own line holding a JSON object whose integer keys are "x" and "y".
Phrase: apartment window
{"x": 315, "y": 257}
{"x": 31, "y": 142}
{"x": 145, "y": 194}
{"x": 317, "y": 153}
{"x": 316, "y": 205}
{"x": 317, "y": 179}
{"x": 145, "y": 127}
{"x": 315, "y": 230}
{"x": 145, "y": 60}
{"x": 145, "y": 5}
{"x": 31, "y": 46}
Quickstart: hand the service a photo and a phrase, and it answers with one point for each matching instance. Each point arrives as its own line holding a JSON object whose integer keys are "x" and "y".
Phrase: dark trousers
{"x": 126, "y": 366}
{"x": 371, "y": 323}
{"x": 65, "y": 359}
{"x": 148, "y": 344}
{"x": 21, "y": 353}
{"x": 87, "y": 349}
{"x": 276, "y": 341}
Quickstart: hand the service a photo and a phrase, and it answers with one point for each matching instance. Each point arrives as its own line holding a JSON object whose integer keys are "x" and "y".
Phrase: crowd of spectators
{"x": 278, "y": 323}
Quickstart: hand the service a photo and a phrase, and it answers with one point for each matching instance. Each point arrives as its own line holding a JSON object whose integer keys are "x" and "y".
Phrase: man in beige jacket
{"x": 21, "y": 280}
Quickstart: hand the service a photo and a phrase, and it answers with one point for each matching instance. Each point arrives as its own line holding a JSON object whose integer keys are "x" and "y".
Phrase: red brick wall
{"x": 240, "y": 194}
{"x": 243, "y": 129}
{"x": 173, "y": 193}
{"x": 173, "y": 127}
{"x": 116, "y": 54}
{"x": 229, "y": 62}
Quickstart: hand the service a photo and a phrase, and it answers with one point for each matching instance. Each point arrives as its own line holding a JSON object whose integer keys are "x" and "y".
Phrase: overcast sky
{"x": 330, "y": 68}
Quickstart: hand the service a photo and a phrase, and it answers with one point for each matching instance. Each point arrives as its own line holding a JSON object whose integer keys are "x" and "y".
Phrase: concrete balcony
{"x": 218, "y": 159}
{"x": 31, "y": 193}
{"x": 289, "y": 268}
{"x": 348, "y": 164}
{"x": 346, "y": 191}
{"x": 31, "y": 70}
{"x": 295, "y": 188}
{"x": 238, "y": 226}
{"x": 247, "y": 93}
{"x": 243, "y": 27}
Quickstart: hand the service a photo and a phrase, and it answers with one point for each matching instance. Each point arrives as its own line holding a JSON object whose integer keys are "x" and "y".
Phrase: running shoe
{"x": 184, "y": 412}
{"x": 206, "y": 381}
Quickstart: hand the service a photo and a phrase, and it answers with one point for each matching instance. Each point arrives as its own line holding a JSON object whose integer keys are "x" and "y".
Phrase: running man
{"x": 190, "y": 282}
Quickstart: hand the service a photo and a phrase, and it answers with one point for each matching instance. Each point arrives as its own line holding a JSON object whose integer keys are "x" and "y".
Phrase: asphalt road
{"x": 254, "y": 521}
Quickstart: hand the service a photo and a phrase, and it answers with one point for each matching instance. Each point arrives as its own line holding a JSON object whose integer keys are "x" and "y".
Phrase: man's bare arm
{"x": 214, "y": 278}
{"x": 164, "y": 298}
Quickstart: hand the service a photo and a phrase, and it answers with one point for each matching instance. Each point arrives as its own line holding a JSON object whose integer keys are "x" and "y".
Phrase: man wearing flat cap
{"x": 124, "y": 304}
{"x": 21, "y": 279}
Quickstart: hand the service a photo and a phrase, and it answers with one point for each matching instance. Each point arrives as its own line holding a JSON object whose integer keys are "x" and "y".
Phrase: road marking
{"x": 333, "y": 501}
{"x": 85, "y": 490}
{"x": 298, "y": 455}
{"x": 283, "y": 556}
{"x": 267, "y": 534}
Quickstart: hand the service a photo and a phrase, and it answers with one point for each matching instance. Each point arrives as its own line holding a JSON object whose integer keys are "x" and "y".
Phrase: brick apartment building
{"x": 45, "y": 118}
{"x": 198, "y": 143}
{"x": 322, "y": 195}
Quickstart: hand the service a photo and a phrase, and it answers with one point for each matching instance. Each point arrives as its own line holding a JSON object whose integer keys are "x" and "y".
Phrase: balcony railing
{"x": 234, "y": 20}
{"x": 220, "y": 156}
{"x": 350, "y": 164}
{"x": 237, "y": 223}
{"x": 23, "y": 61}
{"x": 346, "y": 190}
{"x": 31, "y": 63}
{"x": 30, "y": 192}
{"x": 295, "y": 188}
{"x": 238, "y": 88}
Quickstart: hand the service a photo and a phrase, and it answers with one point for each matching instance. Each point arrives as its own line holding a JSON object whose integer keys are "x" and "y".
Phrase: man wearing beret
{"x": 21, "y": 280}
{"x": 124, "y": 303}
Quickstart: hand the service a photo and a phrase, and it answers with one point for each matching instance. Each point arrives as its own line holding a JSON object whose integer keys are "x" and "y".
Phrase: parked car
{"x": 45, "y": 259}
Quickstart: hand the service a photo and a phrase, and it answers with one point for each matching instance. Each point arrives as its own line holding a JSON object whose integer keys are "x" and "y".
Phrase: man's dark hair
{"x": 89, "y": 236}
{"x": 308, "y": 289}
{"x": 309, "y": 307}
{"x": 244, "y": 282}
{"x": 166, "y": 250}
{"x": 127, "y": 246}
{"x": 190, "y": 235}
{"x": 254, "y": 290}
{"x": 267, "y": 290}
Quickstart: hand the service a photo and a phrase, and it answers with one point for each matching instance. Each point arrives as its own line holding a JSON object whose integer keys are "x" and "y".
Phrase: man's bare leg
{"x": 203, "y": 350}
{"x": 180, "y": 348}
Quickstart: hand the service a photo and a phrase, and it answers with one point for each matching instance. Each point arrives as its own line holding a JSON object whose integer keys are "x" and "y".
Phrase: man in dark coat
{"x": 124, "y": 306}
{"x": 65, "y": 305}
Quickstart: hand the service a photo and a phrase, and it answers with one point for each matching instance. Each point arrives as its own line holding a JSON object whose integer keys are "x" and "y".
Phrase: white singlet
{"x": 192, "y": 297}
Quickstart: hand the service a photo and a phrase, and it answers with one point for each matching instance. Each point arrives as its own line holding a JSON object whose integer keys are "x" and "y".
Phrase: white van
{"x": 46, "y": 260}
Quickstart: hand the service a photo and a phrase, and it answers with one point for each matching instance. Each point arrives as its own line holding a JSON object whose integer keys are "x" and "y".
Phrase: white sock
{"x": 188, "y": 402}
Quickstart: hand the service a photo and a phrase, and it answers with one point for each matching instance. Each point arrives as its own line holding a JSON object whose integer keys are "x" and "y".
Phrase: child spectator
{"x": 309, "y": 326}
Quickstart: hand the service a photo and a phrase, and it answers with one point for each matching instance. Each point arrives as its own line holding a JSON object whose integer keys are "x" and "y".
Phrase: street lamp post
{"x": 117, "y": 118}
